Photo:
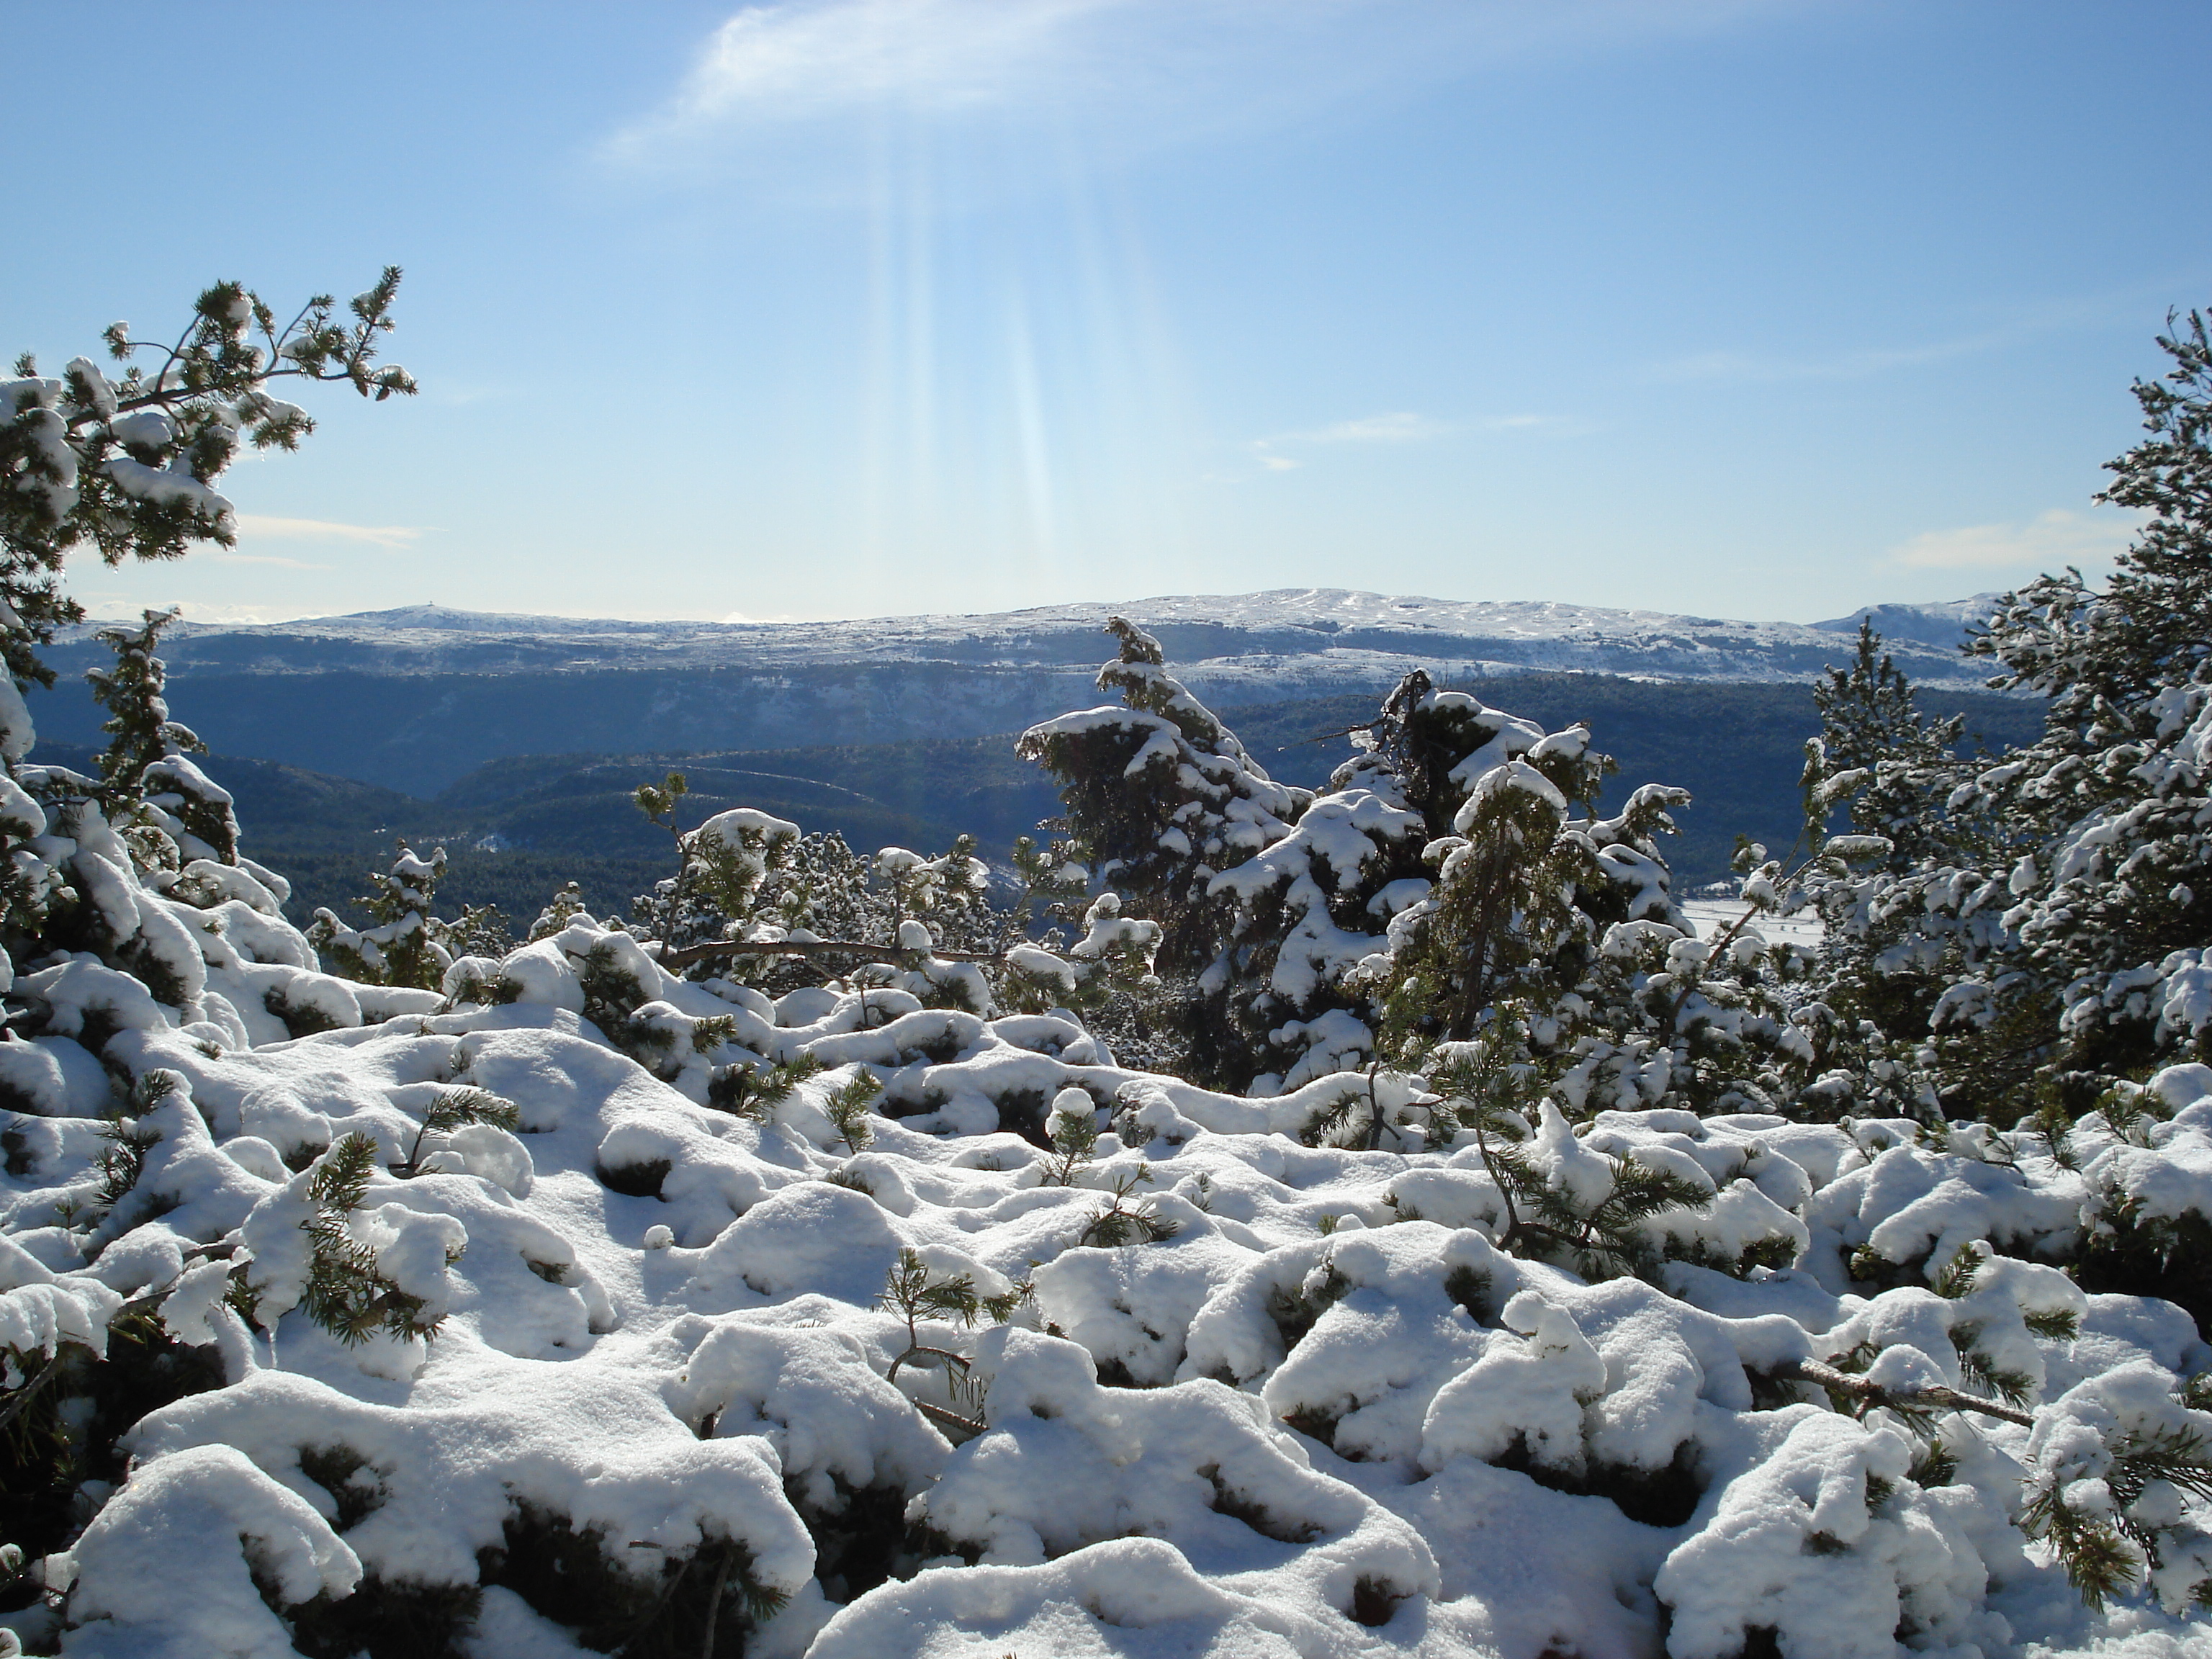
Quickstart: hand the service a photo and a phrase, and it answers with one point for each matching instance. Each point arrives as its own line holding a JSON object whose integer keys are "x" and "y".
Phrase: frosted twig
{"x": 1936, "y": 1397}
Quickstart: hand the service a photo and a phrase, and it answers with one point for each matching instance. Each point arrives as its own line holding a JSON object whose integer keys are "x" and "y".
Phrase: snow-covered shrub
{"x": 758, "y": 904}
{"x": 1231, "y": 1383}
{"x": 407, "y": 944}
{"x": 1064, "y": 1463}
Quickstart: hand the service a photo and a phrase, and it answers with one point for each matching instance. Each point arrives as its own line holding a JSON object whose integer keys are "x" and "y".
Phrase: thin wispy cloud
{"x": 2010, "y": 326}
{"x": 224, "y": 556}
{"x": 2048, "y": 542}
{"x": 398, "y": 536}
{"x": 1398, "y": 428}
{"x": 1188, "y": 66}
{"x": 1742, "y": 365}
{"x": 801, "y": 59}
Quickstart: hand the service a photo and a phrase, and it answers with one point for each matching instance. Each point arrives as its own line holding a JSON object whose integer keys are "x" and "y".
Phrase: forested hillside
{"x": 415, "y": 699}
{"x": 518, "y": 828}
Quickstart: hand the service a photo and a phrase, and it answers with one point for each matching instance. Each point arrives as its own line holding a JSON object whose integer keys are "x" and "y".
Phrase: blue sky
{"x": 1765, "y": 308}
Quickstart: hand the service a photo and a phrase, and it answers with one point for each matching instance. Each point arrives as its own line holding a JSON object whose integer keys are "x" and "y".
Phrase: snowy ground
{"x": 1715, "y": 916}
{"x": 1323, "y": 1416}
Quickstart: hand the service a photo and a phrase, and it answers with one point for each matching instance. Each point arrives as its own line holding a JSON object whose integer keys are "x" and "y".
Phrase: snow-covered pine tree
{"x": 2059, "y": 910}
{"x": 1885, "y": 888}
{"x": 129, "y": 465}
{"x": 1501, "y": 922}
{"x": 1871, "y": 724}
{"x": 1561, "y": 927}
{"x": 1306, "y": 912}
{"x": 1161, "y": 797}
{"x": 150, "y": 780}
{"x": 2113, "y": 909}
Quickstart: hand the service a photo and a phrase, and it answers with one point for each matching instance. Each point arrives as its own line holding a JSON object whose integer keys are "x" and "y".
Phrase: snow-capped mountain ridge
{"x": 1309, "y": 638}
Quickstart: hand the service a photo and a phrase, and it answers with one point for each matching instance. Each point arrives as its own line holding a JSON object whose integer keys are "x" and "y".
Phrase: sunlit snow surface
{"x": 1278, "y": 1431}
{"x": 1716, "y": 916}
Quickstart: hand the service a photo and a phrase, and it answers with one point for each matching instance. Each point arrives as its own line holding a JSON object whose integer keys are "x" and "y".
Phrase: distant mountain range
{"x": 416, "y": 698}
{"x": 1316, "y": 634}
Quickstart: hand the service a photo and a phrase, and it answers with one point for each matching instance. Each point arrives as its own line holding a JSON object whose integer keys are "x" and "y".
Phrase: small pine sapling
{"x": 406, "y": 944}
{"x": 915, "y": 1294}
{"x": 1073, "y": 1128}
{"x": 848, "y": 1106}
{"x": 566, "y": 906}
{"x": 166, "y": 808}
{"x": 480, "y": 930}
{"x": 1123, "y": 1223}
{"x": 733, "y": 873}
{"x": 452, "y": 1109}
{"x": 1486, "y": 1089}
{"x": 754, "y": 1092}
{"x": 922, "y": 889}
{"x": 658, "y": 802}
{"x": 347, "y": 1293}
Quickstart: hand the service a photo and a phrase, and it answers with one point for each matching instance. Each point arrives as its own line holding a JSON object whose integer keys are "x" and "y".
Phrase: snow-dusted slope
{"x": 1939, "y": 625}
{"x": 1294, "y": 639}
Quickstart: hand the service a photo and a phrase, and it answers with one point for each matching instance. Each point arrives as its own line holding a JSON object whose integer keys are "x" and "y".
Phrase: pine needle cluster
{"x": 848, "y": 1106}
{"x": 1121, "y": 1222}
{"x": 453, "y": 1108}
{"x": 1485, "y": 1087}
{"x": 751, "y": 1091}
{"x": 914, "y": 1293}
{"x": 347, "y": 1293}
{"x": 2104, "y": 1548}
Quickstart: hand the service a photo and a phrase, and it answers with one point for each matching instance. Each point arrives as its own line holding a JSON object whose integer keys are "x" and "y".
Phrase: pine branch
{"x": 21, "y": 1403}
{"x": 966, "y": 1427}
{"x": 1920, "y": 1401}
